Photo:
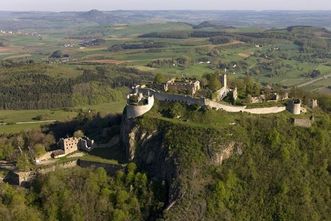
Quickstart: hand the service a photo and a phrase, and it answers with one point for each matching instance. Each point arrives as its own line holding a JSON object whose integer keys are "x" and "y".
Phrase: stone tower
{"x": 294, "y": 106}
{"x": 235, "y": 94}
{"x": 313, "y": 103}
{"x": 224, "y": 81}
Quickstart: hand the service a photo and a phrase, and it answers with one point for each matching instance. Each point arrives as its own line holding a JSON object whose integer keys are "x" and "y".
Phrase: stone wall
{"x": 222, "y": 93}
{"x": 227, "y": 108}
{"x": 44, "y": 157}
{"x": 265, "y": 110}
{"x": 65, "y": 165}
{"x": 25, "y": 178}
{"x": 179, "y": 98}
{"x": 302, "y": 123}
{"x": 189, "y": 100}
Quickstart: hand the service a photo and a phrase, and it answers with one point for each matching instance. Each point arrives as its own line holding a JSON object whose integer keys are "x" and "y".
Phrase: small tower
{"x": 313, "y": 103}
{"x": 224, "y": 81}
{"x": 235, "y": 94}
{"x": 294, "y": 106}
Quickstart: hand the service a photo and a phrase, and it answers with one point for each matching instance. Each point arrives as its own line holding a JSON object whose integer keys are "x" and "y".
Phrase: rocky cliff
{"x": 147, "y": 149}
{"x": 176, "y": 155}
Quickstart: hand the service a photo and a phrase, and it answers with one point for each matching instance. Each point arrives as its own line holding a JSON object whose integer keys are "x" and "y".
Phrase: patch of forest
{"x": 282, "y": 170}
{"x": 37, "y": 89}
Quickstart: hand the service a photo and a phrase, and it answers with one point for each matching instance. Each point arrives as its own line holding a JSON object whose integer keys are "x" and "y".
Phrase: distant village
{"x": 20, "y": 33}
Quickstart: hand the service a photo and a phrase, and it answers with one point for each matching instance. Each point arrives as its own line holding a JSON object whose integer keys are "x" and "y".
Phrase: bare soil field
{"x": 105, "y": 61}
{"x": 5, "y": 49}
{"x": 325, "y": 90}
{"x": 245, "y": 54}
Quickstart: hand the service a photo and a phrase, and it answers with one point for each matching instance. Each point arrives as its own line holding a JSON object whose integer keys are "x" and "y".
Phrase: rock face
{"x": 226, "y": 152}
{"x": 148, "y": 151}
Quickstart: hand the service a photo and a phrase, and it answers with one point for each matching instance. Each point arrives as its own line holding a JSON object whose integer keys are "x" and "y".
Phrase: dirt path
{"x": 313, "y": 81}
{"x": 29, "y": 122}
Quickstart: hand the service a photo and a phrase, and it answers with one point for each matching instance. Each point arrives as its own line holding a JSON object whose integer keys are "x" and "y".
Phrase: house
{"x": 58, "y": 154}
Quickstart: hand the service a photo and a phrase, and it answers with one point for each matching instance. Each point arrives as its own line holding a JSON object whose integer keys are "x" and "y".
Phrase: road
{"x": 314, "y": 80}
{"x": 30, "y": 122}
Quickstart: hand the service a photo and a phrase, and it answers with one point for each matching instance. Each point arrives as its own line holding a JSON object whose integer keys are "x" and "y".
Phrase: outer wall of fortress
{"x": 136, "y": 111}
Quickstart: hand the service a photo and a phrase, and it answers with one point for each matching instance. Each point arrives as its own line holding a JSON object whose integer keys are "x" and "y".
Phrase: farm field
{"x": 18, "y": 120}
{"x": 93, "y": 63}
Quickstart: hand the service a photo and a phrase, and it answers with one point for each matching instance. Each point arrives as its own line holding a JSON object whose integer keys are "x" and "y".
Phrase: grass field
{"x": 290, "y": 70}
{"x": 233, "y": 52}
{"x": 24, "y": 119}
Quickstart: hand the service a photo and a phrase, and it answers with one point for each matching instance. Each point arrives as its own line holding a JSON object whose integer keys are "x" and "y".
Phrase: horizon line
{"x": 197, "y": 10}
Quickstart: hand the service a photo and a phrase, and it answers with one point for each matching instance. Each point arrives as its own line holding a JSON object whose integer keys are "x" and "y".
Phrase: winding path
{"x": 314, "y": 80}
{"x": 30, "y": 122}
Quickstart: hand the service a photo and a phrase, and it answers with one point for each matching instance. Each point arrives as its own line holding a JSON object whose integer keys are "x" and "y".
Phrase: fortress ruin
{"x": 185, "y": 86}
{"x": 143, "y": 101}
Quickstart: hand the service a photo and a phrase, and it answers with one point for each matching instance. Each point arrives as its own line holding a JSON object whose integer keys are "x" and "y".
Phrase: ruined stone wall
{"x": 65, "y": 165}
{"x": 302, "y": 123}
{"x": 44, "y": 157}
{"x": 179, "y": 98}
{"x": 207, "y": 102}
{"x": 265, "y": 110}
{"x": 222, "y": 93}
{"x": 227, "y": 108}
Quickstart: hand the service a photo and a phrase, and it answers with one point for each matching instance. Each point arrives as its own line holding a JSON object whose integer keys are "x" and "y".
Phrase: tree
{"x": 57, "y": 54}
{"x": 79, "y": 134}
{"x": 39, "y": 149}
{"x": 214, "y": 83}
{"x": 159, "y": 78}
{"x": 176, "y": 111}
{"x": 23, "y": 162}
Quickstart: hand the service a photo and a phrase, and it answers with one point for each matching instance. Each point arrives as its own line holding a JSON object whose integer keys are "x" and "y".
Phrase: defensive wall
{"x": 265, "y": 110}
{"x": 161, "y": 96}
{"x": 227, "y": 108}
{"x": 25, "y": 178}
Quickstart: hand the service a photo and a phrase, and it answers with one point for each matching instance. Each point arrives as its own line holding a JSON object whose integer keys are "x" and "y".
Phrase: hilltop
{"x": 225, "y": 172}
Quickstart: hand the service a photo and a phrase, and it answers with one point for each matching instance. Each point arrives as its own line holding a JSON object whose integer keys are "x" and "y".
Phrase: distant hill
{"x": 201, "y": 19}
{"x": 210, "y": 24}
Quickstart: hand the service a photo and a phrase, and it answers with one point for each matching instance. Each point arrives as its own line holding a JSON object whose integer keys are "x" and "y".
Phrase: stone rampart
{"x": 227, "y": 108}
{"x": 265, "y": 110}
{"x": 179, "y": 98}
{"x": 65, "y": 165}
{"x": 161, "y": 96}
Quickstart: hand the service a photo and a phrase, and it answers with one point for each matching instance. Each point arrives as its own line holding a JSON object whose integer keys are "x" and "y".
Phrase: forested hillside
{"x": 38, "y": 88}
{"x": 200, "y": 164}
{"x": 82, "y": 194}
{"x": 275, "y": 171}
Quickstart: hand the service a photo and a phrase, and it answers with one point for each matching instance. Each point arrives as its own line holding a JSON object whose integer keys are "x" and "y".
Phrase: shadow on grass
{"x": 115, "y": 153}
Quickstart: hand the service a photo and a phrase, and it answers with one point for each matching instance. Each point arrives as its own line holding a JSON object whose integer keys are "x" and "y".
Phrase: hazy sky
{"x": 82, "y": 5}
